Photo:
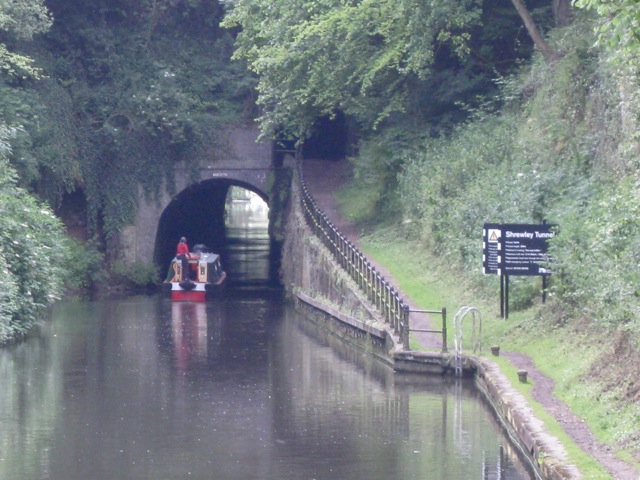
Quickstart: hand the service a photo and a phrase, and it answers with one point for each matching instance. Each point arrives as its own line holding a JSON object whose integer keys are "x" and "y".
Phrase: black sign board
{"x": 525, "y": 249}
{"x": 516, "y": 249}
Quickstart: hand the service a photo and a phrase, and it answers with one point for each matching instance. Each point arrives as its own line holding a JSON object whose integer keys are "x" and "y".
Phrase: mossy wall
{"x": 324, "y": 291}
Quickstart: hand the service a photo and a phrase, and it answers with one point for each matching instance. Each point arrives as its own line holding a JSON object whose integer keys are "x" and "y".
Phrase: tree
{"x": 24, "y": 18}
{"x": 21, "y": 19}
{"x": 547, "y": 52}
{"x": 33, "y": 251}
{"x": 618, "y": 26}
{"x": 314, "y": 58}
{"x": 562, "y": 12}
{"x": 135, "y": 88}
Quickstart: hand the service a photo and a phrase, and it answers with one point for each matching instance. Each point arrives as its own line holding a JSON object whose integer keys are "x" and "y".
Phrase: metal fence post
{"x": 405, "y": 327}
{"x": 444, "y": 330}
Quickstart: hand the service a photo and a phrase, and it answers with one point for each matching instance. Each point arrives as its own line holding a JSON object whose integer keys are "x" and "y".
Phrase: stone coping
{"x": 520, "y": 421}
{"x": 368, "y": 327}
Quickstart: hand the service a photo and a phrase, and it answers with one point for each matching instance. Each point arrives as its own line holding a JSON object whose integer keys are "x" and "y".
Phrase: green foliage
{"x": 6, "y": 134}
{"x": 43, "y": 150}
{"x": 597, "y": 254}
{"x": 14, "y": 64}
{"x": 550, "y": 153}
{"x": 314, "y": 58}
{"x": 474, "y": 176}
{"x": 24, "y": 18}
{"x": 618, "y": 27}
{"x": 375, "y": 191}
{"x": 21, "y": 19}
{"x": 141, "y": 275}
{"x": 86, "y": 265}
{"x": 33, "y": 256}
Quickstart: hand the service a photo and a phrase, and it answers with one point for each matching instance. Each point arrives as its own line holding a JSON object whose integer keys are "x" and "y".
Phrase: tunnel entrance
{"x": 330, "y": 140}
{"x": 229, "y": 218}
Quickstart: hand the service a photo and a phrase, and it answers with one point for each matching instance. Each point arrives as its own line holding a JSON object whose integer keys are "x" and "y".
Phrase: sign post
{"x": 515, "y": 249}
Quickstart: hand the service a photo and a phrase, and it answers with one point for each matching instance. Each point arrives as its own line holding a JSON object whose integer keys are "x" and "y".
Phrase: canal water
{"x": 239, "y": 387}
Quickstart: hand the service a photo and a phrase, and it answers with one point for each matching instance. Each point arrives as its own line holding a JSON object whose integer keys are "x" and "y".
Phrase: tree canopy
{"x": 314, "y": 58}
{"x": 21, "y": 19}
{"x": 618, "y": 26}
{"x": 33, "y": 250}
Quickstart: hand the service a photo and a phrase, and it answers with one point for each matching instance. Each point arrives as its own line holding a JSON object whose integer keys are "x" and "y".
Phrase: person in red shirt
{"x": 182, "y": 254}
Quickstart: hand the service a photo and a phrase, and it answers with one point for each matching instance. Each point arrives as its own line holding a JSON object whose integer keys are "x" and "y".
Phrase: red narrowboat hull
{"x": 188, "y": 296}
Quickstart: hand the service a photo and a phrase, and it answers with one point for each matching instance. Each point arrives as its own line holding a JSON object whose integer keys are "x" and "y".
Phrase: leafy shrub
{"x": 85, "y": 266}
{"x": 598, "y": 253}
{"x": 33, "y": 257}
{"x": 374, "y": 193}
{"x": 140, "y": 275}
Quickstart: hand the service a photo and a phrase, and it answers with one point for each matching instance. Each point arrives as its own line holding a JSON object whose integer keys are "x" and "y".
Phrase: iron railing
{"x": 442, "y": 331}
{"x": 377, "y": 289}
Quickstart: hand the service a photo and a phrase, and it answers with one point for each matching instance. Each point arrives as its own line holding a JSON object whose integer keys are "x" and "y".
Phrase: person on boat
{"x": 183, "y": 254}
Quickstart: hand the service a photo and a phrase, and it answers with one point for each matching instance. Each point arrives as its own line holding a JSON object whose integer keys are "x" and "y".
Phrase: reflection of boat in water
{"x": 205, "y": 275}
{"x": 189, "y": 332}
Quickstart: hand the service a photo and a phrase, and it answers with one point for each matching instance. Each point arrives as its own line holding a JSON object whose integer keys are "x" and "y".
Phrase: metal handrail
{"x": 377, "y": 289}
{"x": 380, "y": 292}
{"x": 407, "y": 329}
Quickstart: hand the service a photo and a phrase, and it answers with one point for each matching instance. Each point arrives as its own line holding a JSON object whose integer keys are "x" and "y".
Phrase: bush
{"x": 85, "y": 267}
{"x": 374, "y": 194}
{"x": 139, "y": 275}
{"x": 598, "y": 253}
{"x": 33, "y": 257}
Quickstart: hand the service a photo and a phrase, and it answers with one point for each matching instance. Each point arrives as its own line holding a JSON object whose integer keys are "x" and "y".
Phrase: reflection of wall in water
{"x": 449, "y": 428}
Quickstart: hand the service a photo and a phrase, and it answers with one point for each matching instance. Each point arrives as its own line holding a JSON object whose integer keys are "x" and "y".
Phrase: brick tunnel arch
{"x": 198, "y": 213}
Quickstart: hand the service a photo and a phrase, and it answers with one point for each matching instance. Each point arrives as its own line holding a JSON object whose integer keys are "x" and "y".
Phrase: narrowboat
{"x": 204, "y": 276}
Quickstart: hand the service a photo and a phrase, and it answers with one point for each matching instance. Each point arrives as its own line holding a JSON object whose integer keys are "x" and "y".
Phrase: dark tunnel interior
{"x": 204, "y": 215}
{"x": 330, "y": 140}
